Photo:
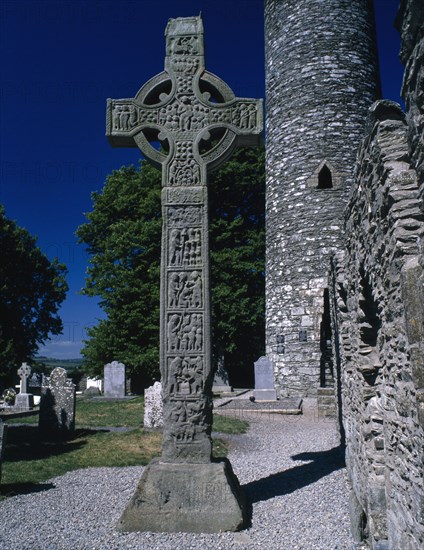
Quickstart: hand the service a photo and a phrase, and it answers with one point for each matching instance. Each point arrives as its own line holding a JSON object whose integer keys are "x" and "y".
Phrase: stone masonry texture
{"x": 377, "y": 304}
{"x": 322, "y": 76}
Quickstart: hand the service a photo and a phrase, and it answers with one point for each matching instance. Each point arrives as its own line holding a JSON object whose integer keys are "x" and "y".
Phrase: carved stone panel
{"x": 185, "y": 332}
{"x": 185, "y": 289}
{"x": 185, "y": 376}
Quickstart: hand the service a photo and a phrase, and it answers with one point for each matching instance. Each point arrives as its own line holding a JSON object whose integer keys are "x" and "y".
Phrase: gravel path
{"x": 289, "y": 467}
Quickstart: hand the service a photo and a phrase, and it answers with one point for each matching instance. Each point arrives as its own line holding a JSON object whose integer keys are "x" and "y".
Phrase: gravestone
{"x": 57, "y": 405}
{"x": 221, "y": 381}
{"x": 24, "y": 400}
{"x": 199, "y": 121}
{"x": 114, "y": 380}
{"x": 153, "y": 408}
{"x": 264, "y": 380}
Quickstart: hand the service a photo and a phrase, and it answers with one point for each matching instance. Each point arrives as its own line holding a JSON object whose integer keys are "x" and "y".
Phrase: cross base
{"x": 24, "y": 401}
{"x": 190, "y": 498}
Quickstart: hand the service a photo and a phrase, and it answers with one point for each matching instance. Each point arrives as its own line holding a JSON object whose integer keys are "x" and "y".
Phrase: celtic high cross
{"x": 198, "y": 121}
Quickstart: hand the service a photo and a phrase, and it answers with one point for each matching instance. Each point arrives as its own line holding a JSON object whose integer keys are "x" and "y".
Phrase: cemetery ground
{"x": 107, "y": 434}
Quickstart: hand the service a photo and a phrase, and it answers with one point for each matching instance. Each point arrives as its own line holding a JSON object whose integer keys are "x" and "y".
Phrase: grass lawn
{"x": 29, "y": 461}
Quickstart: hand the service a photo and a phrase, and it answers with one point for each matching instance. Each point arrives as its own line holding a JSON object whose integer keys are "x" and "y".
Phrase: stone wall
{"x": 377, "y": 304}
{"x": 322, "y": 76}
{"x": 375, "y": 286}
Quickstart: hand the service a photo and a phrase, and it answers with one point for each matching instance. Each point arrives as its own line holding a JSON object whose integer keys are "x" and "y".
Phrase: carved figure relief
{"x": 187, "y": 419}
{"x": 181, "y": 195}
{"x": 184, "y": 45}
{"x": 185, "y": 332}
{"x": 185, "y": 247}
{"x": 185, "y": 375}
{"x": 126, "y": 117}
{"x": 184, "y": 172}
{"x": 184, "y": 216}
{"x": 184, "y": 169}
{"x": 185, "y": 290}
{"x": 244, "y": 116}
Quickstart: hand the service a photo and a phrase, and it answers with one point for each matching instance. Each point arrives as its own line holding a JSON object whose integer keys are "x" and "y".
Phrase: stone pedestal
{"x": 192, "y": 498}
{"x": 24, "y": 401}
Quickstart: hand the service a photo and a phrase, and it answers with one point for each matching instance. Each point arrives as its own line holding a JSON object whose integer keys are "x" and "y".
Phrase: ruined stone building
{"x": 345, "y": 240}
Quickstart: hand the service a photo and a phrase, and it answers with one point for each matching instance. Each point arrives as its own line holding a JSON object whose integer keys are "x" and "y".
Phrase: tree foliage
{"x": 123, "y": 236}
{"x": 31, "y": 290}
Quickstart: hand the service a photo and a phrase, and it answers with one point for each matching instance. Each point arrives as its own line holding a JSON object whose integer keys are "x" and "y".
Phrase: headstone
{"x": 24, "y": 400}
{"x": 200, "y": 121}
{"x": 114, "y": 380}
{"x": 34, "y": 381}
{"x": 264, "y": 380}
{"x": 221, "y": 380}
{"x": 57, "y": 405}
{"x": 96, "y": 383}
{"x": 153, "y": 408}
{"x": 3, "y": 430}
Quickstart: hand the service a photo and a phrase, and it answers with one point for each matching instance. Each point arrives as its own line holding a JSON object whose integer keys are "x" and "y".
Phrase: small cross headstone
{"x": 199, "y": 122}
{"x": 114, "y": 380}
{"x": 24, "y": 400}
{"x": 24, "y": 372}
{"x": 264, "y": 380}
{"x": 57, "y": 405}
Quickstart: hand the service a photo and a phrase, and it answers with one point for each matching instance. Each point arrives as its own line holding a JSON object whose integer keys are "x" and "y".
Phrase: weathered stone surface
{"x": 153, "y": 408}
{"x": 196, "y": 498}
{"x": 321, "y": 78}
{"x": 57, "y": 405}
{"x": 377, "y": 300}
{"x": 264, "y": 380}
{"x": 184, "y": 107}
{"x": 114, "y": 380}
{"x": 24, "y": 401}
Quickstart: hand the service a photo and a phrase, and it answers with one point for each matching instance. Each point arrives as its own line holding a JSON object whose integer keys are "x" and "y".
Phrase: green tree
{"x": 237, "y": 244}
{"x": 31, "y": 290}
{"x": 123, "y": 236}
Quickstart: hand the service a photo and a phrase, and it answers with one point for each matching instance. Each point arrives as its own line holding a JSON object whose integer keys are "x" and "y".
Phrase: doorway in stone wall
{"x": 326, "y": 348}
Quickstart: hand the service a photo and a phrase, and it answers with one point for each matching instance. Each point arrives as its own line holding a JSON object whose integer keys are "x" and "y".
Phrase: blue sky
{"x": 60, "y": 60}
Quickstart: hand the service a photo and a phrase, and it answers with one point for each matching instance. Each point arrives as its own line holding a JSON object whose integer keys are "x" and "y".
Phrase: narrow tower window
{"x": 325, "y": 180}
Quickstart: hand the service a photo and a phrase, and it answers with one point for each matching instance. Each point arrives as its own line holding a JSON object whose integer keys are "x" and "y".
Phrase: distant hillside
{"x": 52, "y": 363}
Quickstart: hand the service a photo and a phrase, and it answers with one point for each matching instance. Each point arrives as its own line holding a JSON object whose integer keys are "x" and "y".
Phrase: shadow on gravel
{"x": 321, "y": 464}
{"x": 13, "y": 489}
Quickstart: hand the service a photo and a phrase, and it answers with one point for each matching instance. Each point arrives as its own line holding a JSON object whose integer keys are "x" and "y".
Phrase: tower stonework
{"x": 322, "y": 76}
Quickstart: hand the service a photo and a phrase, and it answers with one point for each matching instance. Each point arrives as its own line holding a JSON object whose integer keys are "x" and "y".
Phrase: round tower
{"x": 321, "y": 77}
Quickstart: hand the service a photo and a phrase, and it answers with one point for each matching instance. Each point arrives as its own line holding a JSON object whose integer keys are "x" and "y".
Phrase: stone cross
{"x": 24, "y": 372}
{"x": 198, "y": 121}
